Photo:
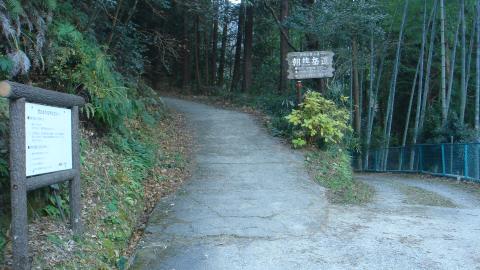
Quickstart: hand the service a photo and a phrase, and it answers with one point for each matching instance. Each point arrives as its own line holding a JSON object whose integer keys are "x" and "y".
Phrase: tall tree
{"x": 198, "y": 77}
{"x": 373, "y": 103}
{"x": 238, "y": 48}
{"x": 477, "y": 87}
{"x": 283, "y": 46}
{"x": 393, "y": 85}
{"x": 213, "y": 55}
{"x": 311, "y": 40}
{"x": 206, "y": 55}
{"x": 357, "y": 120}
{"x": 223, "y": 49}
{"x": 410, "y": 104}
{"x": 463, "y": 87}
{"x": 443, "y": 83}
{"x": 426, "y": 85}
{"x": 451, "y": 77}
{"x": 248, "y": 47}
{"x": 371, "y": 100}
{"x": 416, "y": 129}
{"x": 471, "y": 49}
{"x": 187, "y": 65}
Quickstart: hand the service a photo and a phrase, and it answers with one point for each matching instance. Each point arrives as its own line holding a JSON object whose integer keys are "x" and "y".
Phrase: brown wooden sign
{"x": 44, "y": 150}
{"x": 310, "y": 65}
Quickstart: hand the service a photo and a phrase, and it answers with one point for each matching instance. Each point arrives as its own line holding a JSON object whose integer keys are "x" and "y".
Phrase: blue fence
{"x": 454, "y": 160}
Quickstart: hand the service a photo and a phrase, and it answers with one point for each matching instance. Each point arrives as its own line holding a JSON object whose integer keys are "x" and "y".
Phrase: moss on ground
{"x": 417, "y": 195}
{"x": 332, "y": 169}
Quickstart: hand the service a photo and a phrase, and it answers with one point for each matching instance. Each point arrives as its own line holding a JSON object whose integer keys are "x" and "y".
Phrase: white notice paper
{"x": 48, "y": 138}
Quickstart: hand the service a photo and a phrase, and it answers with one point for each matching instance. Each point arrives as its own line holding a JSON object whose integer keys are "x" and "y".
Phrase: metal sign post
{"x": 53, "y": 154}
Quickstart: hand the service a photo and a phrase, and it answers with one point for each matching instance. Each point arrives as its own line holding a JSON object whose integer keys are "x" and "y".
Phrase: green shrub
{"x": 78, "y": 65}
{"x": 318, "y": 119}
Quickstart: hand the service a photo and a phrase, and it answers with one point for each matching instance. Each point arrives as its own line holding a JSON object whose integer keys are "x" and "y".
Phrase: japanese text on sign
{"x": 304, "y": 65}
{"x": 48, "y": 138}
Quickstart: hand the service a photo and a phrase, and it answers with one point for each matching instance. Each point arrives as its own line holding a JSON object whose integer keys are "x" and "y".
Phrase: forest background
{"x": 410, "y": 69}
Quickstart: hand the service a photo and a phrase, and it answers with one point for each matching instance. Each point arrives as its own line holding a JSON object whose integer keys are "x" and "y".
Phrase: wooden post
{"x": 19, "y": 95}
{"x": 299, "y": 87}
{"x": 75, "y": 185}
{"x": 18, "y": 186}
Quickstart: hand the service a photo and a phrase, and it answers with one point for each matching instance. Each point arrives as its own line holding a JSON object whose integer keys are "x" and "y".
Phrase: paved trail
{"x": 250, "y": 204}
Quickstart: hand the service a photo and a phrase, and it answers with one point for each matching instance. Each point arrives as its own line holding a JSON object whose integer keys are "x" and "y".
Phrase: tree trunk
{"x": 131, "y": 12}
{"x": 409, "y": 113}
{"x": 373, "y": 96}
{"x": 420, "y": 83}
{"x": 477, "y": 94}
{"x": 443, "y": 84}
{"x": 283, "y": 48}
{"x": 238, "y": 48}
{"x": 248, "y": 47}
{"x": 451, "y": 77}
{"x": 426, "y": 87}
{"x": 198, "y": 78}
{"x": 312, "y": 43}
{"x": 477, "y": 87}
{"x": 213, "y": 55}
{"x": 361, "y": 97}
{"x": 114, "y": 23}
{"x": 463, "y": 99}
{"x": 187, "y": 65}
{"x": 357, "y": 123}
{"x": 393, "y": 86}
{"x": 223, "y": 50}
{"x": 368, "y": 134}
{"x": 410, "y": 104}
{"x": 206, "y": 56}
{"x": 470, "y": 51}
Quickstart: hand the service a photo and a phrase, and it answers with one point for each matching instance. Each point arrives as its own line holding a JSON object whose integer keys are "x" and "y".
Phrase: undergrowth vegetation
{"x": 123, "y": 174}
{"x": 74, "y": 47}
{"x": 332, "y": 169}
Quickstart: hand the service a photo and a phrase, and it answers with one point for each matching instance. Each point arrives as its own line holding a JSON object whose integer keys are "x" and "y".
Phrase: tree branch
{"x": 282, "y": 30}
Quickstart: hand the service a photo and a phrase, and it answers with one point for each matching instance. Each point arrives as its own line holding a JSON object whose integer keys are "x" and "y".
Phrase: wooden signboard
{"x": 48, "y": 134}
{"x": 44, "y": 150}
{"x": 310, "y": 65}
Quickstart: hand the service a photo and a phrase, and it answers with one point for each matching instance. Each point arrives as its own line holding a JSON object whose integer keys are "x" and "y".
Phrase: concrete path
{"x": 250, "y": 204}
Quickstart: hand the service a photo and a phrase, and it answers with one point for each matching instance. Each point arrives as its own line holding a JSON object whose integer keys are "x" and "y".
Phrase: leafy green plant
{"x": 6, "y": 66}
{"x": 318, "y": 118}
{"x": 299, "y": 142}
{"x": 80, "y": 66}
{"x": 51, "y": 209}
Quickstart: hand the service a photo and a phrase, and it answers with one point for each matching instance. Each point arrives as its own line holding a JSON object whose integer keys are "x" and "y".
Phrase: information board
{"x": 310, "y": 65}
{"x": 48, "y": 138}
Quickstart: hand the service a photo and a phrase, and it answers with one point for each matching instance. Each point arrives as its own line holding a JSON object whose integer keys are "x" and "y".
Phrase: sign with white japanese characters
{"x": 48, "y": 139}
{"x": 309, "y": 65}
